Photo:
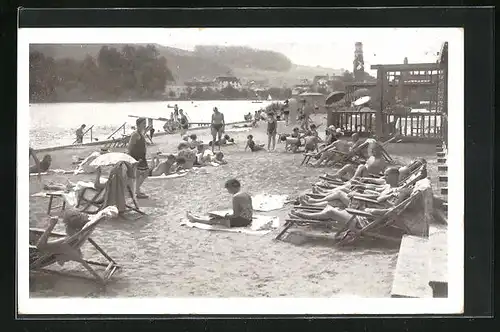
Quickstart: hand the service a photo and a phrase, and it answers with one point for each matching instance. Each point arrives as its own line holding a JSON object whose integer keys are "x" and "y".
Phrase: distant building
{"x": 222, "y": 82}
{"x": 174, "y": 91}
{"x": 204, "y": 85}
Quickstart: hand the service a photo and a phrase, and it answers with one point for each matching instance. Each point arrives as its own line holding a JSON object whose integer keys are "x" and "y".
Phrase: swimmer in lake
{"x": 252, "y": 145}
{"x": 242, "y": 209}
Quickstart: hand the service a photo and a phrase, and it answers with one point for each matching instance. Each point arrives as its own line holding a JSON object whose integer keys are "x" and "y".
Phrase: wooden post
{"x": 380, "y": 108}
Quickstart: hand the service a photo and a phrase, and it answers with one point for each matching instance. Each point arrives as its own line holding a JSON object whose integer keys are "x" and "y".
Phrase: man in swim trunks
{"x": 184, "y": 122}
{"x": 217, "y": 126}
{"x": 272, "y": 127}
{"x": 242, "y": 208}
{"x": 137, "y": 150}
{"x": 188, "y": 154}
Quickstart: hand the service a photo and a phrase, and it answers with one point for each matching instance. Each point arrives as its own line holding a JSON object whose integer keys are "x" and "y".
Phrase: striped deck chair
{"x": 69, "y": 250}
{"x": 101, "y": 198}
{"x": 362, "y": 224}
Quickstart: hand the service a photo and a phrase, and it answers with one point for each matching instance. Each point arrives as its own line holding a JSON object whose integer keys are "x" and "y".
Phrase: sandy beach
{"x": 161, "y": 258}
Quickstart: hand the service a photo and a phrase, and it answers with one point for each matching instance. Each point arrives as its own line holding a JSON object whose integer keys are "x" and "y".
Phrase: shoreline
{"x": 70, "y": 146}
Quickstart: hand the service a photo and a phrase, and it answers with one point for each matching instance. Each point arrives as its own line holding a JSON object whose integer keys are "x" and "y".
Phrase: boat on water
{"x": 257, "y": 102}
{"x": 269, "y": 97}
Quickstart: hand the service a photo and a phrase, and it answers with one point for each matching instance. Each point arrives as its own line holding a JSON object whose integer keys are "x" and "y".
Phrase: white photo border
{"x": 454, "y": 304}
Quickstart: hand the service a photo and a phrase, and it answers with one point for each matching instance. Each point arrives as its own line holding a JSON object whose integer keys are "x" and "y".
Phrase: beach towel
{"x": 267, "y": 202}
{"x": 261, "y": 225}
{"x": 53, "y": 171}
{"x": 239, "y": 129}
{"x": 170, "y": 176}
{"x": 116, "y": 186}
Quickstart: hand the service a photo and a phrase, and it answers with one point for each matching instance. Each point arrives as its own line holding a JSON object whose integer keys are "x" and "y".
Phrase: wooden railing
{"x": 85, "y": 133}
{"x": 424, "y": 125}
{"x": 121, "y": 127}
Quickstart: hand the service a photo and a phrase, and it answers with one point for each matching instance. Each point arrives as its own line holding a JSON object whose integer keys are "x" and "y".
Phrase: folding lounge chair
{"x": 373, "y": 228}
{"x": 69, "y": 251}
{"x": 100, "y": 198}
{"x": 413, "y": 177}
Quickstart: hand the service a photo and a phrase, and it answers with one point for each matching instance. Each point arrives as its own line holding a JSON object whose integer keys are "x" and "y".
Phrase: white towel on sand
{"x": 170, "y": 176}
{"x": 261, "y": 225}
{"x": 266, "y": 202}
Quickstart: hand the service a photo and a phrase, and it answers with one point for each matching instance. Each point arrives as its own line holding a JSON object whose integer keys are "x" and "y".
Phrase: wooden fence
{"x": 421, "y": 125}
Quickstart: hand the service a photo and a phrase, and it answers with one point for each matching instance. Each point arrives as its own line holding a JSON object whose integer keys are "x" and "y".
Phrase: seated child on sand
{"x": 162, "y": 167}
{"x": 194, "y": 143}
{"x": 242, "y": 209}
{"x": 252, "y": 145}
{"x": 293, "y": 143}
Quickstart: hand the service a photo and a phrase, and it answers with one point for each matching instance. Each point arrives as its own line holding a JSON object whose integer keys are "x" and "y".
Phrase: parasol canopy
{"x": 334, "y": 97}
{"x": 361, "y": 93}
{"x": 112, "y": 158}
{"x": 361, "y": 101}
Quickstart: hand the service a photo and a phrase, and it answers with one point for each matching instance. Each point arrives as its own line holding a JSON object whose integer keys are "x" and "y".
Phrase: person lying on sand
{"x": 73, "y": 221}
{"x": 188, "y": 154}
{"x": 252, "y": 145}
{"x": 43, "y": 166}
{"x": 166, "y": 166}
{"x": 225, "y": 140}
{"x": 203, "y": 155}
{"x": 385, "y": 194}
{"x": 242, "y": 209}
{"x": 219, "y": 158}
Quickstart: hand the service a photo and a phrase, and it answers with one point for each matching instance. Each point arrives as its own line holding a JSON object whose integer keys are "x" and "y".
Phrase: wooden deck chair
{"x": 415, "y": 175}
{"x": 372, "y": 228}
{"x": 98, "y": 200}
{"x": 68, "y": 250}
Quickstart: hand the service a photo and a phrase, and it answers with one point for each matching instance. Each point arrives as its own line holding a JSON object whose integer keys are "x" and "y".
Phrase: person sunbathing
{"x": 382, "y": 194}
{"x": 225, "y": 140}
{"x": 43, "y": 166}
{"x": 162, "y": 167}
{"x": 388, "y": 198}
{"x": 219, "y": 158}
{"x": 330, "y": 153}
{"x": 73, "y": 221}
{"x": 242, "y": 208}
{"x": 203, "y": 155}
{"x": 188, "y": 154}
{"x": 252, "y": 145}
{"x": 375, "y": 165}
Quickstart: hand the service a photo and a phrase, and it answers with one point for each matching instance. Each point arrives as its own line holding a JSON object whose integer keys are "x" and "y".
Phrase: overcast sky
{"x": 327, "y": 47}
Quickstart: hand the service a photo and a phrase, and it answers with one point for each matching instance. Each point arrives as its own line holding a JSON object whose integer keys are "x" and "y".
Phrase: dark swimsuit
{"x": 217, "y": 126}
{"x": 271, "y": 128}
{"x": 138, "y": 152}
{"x": 239, "y": 222}
{"x": 251, "y": 145}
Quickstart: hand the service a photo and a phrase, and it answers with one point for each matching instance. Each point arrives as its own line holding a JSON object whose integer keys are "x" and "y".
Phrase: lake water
{"x": 55, "y": 124}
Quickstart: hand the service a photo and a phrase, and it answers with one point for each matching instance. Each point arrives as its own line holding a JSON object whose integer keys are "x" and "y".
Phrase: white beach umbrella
{"x": 112, "y": 158}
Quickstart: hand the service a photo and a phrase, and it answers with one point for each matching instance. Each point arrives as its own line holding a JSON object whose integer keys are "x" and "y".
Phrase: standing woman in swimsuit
{"x": 137, "y": 150}
{"x": 184, "y": 122}
{"x": 272, "y": 127}
{"x": 217, "y": 127}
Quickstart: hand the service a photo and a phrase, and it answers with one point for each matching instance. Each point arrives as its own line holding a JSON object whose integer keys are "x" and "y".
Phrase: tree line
{"x": 127, "y": 73}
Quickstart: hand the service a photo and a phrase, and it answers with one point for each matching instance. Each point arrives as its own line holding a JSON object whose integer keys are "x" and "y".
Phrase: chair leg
{"x": 92, "y": 271}
{"x": 285, "y": 228}
{"x": 49, "y": 209}
{"x": 101, "y": 250}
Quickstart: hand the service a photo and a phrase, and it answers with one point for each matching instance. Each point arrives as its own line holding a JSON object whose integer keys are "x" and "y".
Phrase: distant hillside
{"x": 207, "y": 62}
{"x": 245, "y": 57}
